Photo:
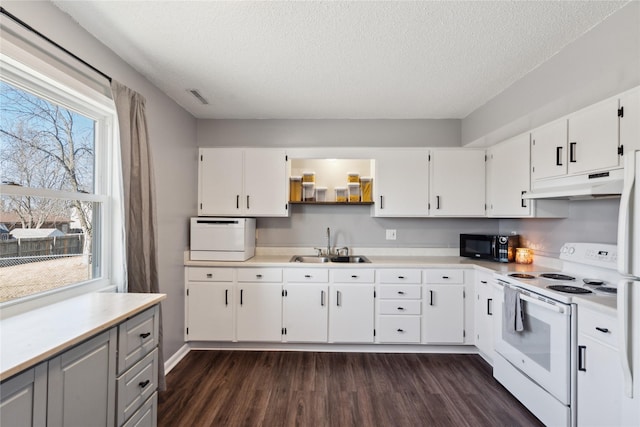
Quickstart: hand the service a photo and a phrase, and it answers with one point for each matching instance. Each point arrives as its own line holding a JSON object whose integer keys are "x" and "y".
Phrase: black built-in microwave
{"x": 489, "y": 246}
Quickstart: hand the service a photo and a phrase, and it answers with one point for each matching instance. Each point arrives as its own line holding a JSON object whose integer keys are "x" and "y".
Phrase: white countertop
{"x": 30, "y": 338}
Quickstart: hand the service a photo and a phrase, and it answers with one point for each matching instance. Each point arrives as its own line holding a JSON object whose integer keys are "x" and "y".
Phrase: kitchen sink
{"x": 322, "y": 259}
{"x": 309, "y": 258}
{"x": 350, "y": 259}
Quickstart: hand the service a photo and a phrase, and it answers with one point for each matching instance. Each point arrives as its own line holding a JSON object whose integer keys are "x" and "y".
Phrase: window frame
{"x": 32, "y": 75}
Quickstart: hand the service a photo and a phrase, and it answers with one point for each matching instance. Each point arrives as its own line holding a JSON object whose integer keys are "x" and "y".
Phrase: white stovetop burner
{"x": 587, "y": 267}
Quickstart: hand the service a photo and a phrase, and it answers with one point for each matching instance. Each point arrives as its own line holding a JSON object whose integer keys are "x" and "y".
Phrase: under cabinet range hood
{"x": 588, "y": 186}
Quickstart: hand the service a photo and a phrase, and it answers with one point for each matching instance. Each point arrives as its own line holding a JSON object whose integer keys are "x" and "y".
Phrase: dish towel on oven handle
{"x": 512, "y": 313}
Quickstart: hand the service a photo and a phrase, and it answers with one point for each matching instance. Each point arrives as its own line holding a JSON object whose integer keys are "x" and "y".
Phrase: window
{"x": 59, "y": 186}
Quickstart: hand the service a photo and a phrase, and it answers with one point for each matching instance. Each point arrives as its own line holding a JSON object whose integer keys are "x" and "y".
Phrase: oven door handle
{"x": 546, "y": 305}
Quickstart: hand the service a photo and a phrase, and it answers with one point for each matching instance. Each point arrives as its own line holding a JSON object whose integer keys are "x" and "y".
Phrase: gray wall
{"x": 602, "y": 63}
{"x": 329, "y": 133}
{"x": 172, "y": 132}
{"x": 353, "y": 226}
{"x": 592, "y": 221}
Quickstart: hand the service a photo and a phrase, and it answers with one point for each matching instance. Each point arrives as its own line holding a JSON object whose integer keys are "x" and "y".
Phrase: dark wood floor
{"x": 243, "y": 388}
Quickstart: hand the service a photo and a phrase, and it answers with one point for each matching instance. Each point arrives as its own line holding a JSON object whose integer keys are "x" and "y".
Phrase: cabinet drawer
{"x": 147, "y": 415}
{"x": 135, "y": 386}
{"x": 400, "y": 291}
{"x": 438, "y": 275}
{"x": 396, "y": 329}
{"x": 259, "y": 275}
{"x": 313, "y": 275}
{"x": 137, "y": 337}
{"x": 353, "y": 275}
{"x": 400, "y": 307}
{"x": 206, "y": 274}
{"x": 600, "y": 326}
{"x": 400, "y": 276}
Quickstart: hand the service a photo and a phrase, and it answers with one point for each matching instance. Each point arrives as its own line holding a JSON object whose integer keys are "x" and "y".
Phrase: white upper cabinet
{"x": 549, "y": 150}
{"x": 508, "y": 178}
{"x": 457, "y": 182}
{"x": 401, "y": 183}
{"x": 630, "y": 120}
{"x": 584, "y": 142}
{"x": 593, "y": 138}
{"x": 242, "y": 182}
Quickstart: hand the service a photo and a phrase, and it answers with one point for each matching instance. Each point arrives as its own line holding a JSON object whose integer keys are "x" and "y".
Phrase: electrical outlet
{"x": 391, "y": 234}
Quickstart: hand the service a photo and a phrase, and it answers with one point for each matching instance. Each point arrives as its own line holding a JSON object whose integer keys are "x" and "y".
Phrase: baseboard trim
{"x": 176, "y": 358}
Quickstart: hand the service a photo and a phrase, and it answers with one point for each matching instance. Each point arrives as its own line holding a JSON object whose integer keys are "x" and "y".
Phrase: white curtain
{"x": 139, "y": 199}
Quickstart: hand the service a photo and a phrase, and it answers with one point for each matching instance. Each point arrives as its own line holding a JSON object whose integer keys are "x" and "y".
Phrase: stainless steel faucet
{"x": 328, "y": 241}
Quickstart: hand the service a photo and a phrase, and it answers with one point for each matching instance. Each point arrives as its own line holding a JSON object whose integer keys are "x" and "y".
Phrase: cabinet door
{"x": 600, "y": 384}
{"x": 401, "y": 183}
{"x": 210, "y": 311}
{"x": 351, "y": 313}
{"x": 259, "y": 312}
{"x": 23, "y": 398}
{"x": 81, "y": 389}
{"x": 508, "y": 177}
{"x": 593, "y": 138}
{"x": 305, "y": 312}
{"x": 549, "y": 150}
{"x": 220, "y": 181}
{"x": 630, "y": 121}
{"x": 444, "y": 314}
{"x": 265, "y": 183}
{"x": 457, "y": 183}
{"x": 483, "y": 312}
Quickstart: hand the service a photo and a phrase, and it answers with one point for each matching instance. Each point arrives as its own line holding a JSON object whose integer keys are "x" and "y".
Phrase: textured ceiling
{"x": 331, "y": 59}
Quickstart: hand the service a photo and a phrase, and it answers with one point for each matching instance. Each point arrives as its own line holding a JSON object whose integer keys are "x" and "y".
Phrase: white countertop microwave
{"x": 222, "y": 239}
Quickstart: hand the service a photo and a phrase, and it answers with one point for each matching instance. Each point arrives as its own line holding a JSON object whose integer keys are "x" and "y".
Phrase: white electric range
{"x": 538, "y": 364}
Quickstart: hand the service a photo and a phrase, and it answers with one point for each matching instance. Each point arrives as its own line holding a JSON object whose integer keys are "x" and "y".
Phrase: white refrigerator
{"x": 629, "y": 289}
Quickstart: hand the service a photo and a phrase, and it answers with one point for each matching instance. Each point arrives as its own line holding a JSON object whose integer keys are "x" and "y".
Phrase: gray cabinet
{"x": 109, "y": 379}
{"x": 23, "y": 398}
{"x": 82, "y": 384}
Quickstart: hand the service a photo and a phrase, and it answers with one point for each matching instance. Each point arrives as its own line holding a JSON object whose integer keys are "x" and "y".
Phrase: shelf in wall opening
{"x": 333, "y": 203}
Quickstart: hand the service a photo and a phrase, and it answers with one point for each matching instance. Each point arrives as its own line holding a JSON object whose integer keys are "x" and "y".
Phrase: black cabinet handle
{"x": 354, "y": 276}
{"x": 400, "y": 277}
{"x": 226, "y": 297}
{"x": 445, "y": 277}
{"x": 523, "y": 202}
{"x": 484, "y": 282}
{"x": 400, "y": 330}
{"x": 558, "y": 156}
{"x": 381, "y": 205}
{"x": 143, "y": 384}
{"x": 604, "y": 330}
{"x": 430, "y": 297}
{"x": 338, "y": 298}
{"x": 237, "y": 201}
{"x": 572, "y": 152}
{"x": 145, "y": 335}
{"x": 400, "y": 292}
{"x": 400, "y": 308}
{"x": 582, "y": 353}
{"x": 322, "y": 298}
{"x": 437, "y": 202}
{"x": 209, "y": 276}
{"x": 489, "y": 301}
{"x": 247, "y": 202}
{"x": 258, "y": 276}
{"x": 307, "y": 276}
{"x": 241, "y": 294}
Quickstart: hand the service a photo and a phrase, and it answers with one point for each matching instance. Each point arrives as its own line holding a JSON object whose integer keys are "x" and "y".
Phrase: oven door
{"x": 542, "y": 350}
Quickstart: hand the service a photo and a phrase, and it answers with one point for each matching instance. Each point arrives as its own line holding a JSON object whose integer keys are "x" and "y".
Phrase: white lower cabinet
{"x": 444, "y": 307}
{"x": 600, "y": 382}
{"x": 351, "y": 312}
{"x": 259, "y": 312}
{"x": 305, "y": 310}
{"x": 484, "y": 312}
{"x": 210, "y": 304}
{"x": 399, "y": 306}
